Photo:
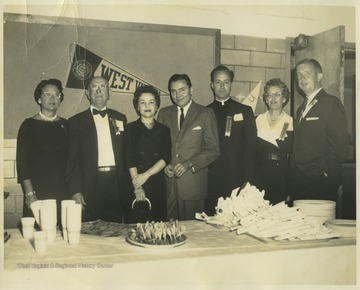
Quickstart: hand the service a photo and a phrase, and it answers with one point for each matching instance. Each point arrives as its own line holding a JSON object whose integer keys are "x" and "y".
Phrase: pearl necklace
{"x": 149, "y": 125}
{"x": 47, "y": 118}
{"x": 273, "y": 119}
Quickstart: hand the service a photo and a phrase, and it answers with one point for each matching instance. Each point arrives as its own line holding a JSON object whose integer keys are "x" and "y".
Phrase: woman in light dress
{"x": 275, "y": 137}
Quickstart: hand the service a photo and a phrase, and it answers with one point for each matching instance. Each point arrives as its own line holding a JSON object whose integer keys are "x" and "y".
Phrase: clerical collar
{"x": 222, "y": 101}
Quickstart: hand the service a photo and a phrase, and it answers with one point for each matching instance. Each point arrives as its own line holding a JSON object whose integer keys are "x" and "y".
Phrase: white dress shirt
{"x": 105, "y": 150}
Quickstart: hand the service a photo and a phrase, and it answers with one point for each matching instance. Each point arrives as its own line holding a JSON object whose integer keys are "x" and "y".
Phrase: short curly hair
{"x": 55, "y": 82}
{"x": 276, "y": 82}
{"x": 143, "y": 90}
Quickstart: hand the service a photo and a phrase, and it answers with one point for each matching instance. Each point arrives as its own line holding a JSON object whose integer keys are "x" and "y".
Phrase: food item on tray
{"x": 246, "y": 211}
{"x": 158, "y": 233}
{"x": 104, "y": 229}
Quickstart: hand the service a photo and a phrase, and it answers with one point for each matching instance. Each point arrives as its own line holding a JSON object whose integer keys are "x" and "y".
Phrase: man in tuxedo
{"x": 195, "y": 145}
{"x": 95, "y": 167}
{"x": 237, "y": 135}
{"x": 320, "y": 138}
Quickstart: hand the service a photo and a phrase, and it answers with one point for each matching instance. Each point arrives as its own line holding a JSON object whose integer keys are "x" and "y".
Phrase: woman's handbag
{"x": 140, "y": 211}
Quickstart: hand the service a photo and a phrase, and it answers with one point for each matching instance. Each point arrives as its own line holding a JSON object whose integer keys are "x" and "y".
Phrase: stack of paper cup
{"x": 40, "y": 241}
{"x": 73, "y": 223}
{"x": 48, "y": 219}
{"x": 28, "y": 227}
{"x": 64, "y": 204}
{"x": 53, "y": 203}
{"x": 35, "y": 208}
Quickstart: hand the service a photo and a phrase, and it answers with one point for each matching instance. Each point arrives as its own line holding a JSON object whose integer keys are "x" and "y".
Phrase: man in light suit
{"x": 320, "y": 138}
{"x": 96, "y": 165}
{"x": 195, "y": 145}
{"x": 237, "y": 133}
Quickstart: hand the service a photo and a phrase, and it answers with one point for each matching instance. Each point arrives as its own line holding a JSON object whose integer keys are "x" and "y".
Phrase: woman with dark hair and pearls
{"x": 41, "y": 149}
{"x": 275, "y": 137}
{"x": 148, "y": 151}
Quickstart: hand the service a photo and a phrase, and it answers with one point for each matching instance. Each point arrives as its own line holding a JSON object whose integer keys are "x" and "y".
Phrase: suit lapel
{"x": 312, "y": 104}
{"x": 90, "y": 123}
{"x": 174, "y": 121}
{"x": 112, "y": 129}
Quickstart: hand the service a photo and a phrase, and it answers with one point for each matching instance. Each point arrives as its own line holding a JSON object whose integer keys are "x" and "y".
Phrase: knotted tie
{"x": 101, "y": 113}
{"x": 304, "y": 105}
{"x": 182, "y": 117}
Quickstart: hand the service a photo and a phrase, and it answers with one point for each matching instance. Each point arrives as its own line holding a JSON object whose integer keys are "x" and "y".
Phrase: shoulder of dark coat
{"x": 240, "y": 105}
{"x": 79, "y": 116}
{"x": 117, "y": 114}
{"x": 328, "y": 99}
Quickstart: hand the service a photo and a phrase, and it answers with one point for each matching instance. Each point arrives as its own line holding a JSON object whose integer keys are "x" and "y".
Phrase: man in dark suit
{"x": 195, "y": 145}
{"x": 237, "y": 135}
{"x": 96, "y": 165}
{"x": 320, "y": 138}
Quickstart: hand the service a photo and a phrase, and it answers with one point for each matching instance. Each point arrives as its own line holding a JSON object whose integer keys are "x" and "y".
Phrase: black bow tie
{"x": 102, "y": 113}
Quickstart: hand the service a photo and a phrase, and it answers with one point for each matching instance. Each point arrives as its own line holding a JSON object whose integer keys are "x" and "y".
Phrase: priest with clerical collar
{"x": 237, "y": 137}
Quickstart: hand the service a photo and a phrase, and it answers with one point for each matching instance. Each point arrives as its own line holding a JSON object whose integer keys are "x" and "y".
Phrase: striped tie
{"x": 304, "y": 105}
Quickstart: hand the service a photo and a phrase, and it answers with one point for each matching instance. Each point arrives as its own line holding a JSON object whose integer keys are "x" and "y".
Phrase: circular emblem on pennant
{"x": 82, "y": 70}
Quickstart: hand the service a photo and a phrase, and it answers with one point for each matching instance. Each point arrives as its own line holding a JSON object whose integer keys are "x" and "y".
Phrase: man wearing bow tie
{"x": 320, "y": 138}
{"x": 95, "y": 169}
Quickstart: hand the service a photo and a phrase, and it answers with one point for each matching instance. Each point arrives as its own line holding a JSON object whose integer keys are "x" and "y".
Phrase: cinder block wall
{"x": 253, "y": 59}
{"x": 14, "y": 203}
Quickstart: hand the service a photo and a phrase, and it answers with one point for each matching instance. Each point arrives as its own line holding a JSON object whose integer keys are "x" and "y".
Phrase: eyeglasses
{"x": 276, "y": 95}
{"x": 102, "y": 87}
{"x": 48, "y": 95}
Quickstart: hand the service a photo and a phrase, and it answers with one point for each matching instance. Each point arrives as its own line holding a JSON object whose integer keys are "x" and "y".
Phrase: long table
{"x": 211, "y": 256}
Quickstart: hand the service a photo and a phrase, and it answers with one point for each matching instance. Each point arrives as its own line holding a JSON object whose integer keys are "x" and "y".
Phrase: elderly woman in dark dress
{"x": 41, "y": 149}
{"x": 275, "y": 137}
{"x": 148, "y": 151}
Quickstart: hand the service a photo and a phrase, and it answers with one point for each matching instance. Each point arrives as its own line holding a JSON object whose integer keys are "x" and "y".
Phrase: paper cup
{"x": 28, "y": 227}
{"x": 53, "y": 203}
{"x": 47, "y": 221}
{"x": 74, "y": 237}
{"x": 35, "y": 208}
{"x": 47, "y": 216}
{"x": 51, "y": 235}
{"x": 73, "y": 217}
{"x": 64, "y": 204}
{"x": 40, "y": 241}
{"x": 73, "y": 223}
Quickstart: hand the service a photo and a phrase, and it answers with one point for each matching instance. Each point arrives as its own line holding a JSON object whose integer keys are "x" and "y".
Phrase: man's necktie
{"x": 182, "y": 117}
{"x": 304, "y": 105}
{"x": 101, "y": 113}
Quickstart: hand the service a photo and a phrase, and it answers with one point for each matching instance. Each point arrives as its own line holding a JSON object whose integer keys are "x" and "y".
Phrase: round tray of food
{"x": 157, "y": 235}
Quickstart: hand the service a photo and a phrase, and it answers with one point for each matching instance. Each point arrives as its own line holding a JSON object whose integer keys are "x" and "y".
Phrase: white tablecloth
{"x": 211, "y": 256}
